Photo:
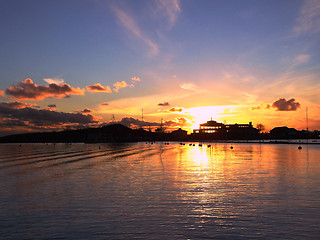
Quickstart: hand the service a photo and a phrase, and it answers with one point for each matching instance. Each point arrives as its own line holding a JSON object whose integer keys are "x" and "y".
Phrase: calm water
{"x": 144, "y": 191}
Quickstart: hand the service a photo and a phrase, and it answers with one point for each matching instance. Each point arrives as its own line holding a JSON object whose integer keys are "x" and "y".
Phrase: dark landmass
{"x": 109, "y": 133}
{"x": 121, "y": 133}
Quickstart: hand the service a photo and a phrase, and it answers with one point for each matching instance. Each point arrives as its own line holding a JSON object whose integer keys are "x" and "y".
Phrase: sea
{"x": 160, "y": 191}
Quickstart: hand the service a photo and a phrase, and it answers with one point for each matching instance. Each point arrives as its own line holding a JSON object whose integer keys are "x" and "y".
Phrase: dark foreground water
{"x": 144, "y": 191}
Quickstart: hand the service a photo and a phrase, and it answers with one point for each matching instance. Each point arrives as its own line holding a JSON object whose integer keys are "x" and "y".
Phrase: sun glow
{"x": 217, "y": 113}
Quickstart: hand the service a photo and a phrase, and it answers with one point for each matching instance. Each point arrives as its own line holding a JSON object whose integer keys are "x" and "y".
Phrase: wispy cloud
{"x": 171, "y": 8}
{"x": 303, "y": 58}
{"x": 1, "y": 93}
{"x": 54, "y": 80}
{"x": 190, "y": 86}
{"x": 308, "y": 20}
{"x": 128, "y": 22}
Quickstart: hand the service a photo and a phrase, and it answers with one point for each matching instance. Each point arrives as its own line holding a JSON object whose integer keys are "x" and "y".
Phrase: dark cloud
{"x": 164, "y": 104}
{"x": 283, "y": 105}
{"x": 7, "y": 123}
{"x": 43, "y": 117}
{"x": 27, "y": 90}
{"x": 176, "y": 109}
{"x": 134, "y": 123}
{"x": 52, "y": 106}
{"x": 86, "y": 110}
{"x": 99, "y": 88}
{"x": 18, "y": 105}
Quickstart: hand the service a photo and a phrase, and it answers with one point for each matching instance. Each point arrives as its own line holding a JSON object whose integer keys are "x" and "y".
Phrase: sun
{"x": 206, "y": 113}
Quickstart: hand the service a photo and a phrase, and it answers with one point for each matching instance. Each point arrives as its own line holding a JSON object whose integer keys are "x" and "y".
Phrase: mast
{"x": 307, "y": 124}
{"x": 307, "y": 118}
{"x": 142, "y": 114}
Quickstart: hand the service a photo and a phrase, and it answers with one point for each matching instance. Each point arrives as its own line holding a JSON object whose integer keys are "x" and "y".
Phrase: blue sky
{"x": 229, "y": 55}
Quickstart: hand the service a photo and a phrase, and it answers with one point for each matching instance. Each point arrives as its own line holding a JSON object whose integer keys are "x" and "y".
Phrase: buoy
{"x": 231, "y": 147}
{"x": 299, "y": 147}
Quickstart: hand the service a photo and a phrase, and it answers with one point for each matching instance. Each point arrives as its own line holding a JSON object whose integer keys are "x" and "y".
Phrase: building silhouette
{"x": 215, "y": 130}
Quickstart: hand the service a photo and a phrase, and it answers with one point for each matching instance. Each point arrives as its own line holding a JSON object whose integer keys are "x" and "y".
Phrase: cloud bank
{"x": 18, "y": 105}
{"x": 23, "y": 114}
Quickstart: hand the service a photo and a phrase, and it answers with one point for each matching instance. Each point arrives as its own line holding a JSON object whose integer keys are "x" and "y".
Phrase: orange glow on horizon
{"x": 206, "y": 113}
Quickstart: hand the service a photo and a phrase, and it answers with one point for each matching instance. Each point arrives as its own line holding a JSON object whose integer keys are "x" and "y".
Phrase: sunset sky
{"x": 76, "y": 63}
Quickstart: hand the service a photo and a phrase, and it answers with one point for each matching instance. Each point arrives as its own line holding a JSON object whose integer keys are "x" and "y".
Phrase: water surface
{"x": 157, "y": 191}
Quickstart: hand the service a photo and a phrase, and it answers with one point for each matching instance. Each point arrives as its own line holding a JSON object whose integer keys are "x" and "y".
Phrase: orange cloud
{"x": 1, "y": 93}
{"x": 27, "y": 90}
{"x": 135, "y": 79}
{"x": 262, "y": 106}
{"x": 104, "y": 104}
{"x": 99, "y": 88}
{"x": 176, "y": 109}
{"x": 119, "y": 85}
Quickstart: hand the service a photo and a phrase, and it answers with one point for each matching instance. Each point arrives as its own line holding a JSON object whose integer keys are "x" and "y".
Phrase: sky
{"x": 85, "y": 63}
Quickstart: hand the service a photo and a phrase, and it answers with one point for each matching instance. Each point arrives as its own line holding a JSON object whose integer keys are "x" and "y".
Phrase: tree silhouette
{"x": 260, "y": 127}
